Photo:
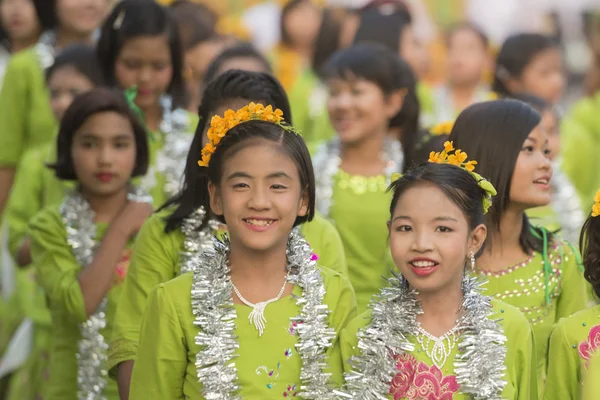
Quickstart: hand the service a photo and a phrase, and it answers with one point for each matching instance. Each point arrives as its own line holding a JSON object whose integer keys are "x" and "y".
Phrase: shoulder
{"x": 360, "y": 322}
{"x": 563, "y": 252}
{"x": 334, "y": 281}
{"x": 25, "y": 59}
{"x": 154, "y": 227}
{"x": 319, "y": 226}
{"x": 514, "y": 323}
{"x": 48, "y": 219}
{"x": 177, "y": 291}
{"x": 584, "y": 111}
{"x": 581, "y": 321}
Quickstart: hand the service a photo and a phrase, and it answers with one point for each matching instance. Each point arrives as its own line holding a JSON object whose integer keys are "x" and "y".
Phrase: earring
{"x": 472, "y": 262}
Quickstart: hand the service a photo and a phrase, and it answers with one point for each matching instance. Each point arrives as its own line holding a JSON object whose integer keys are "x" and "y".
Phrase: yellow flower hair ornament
{"x": 443, "y": 128}
{"x": 457, "y": 157}
{"x": 596, "y": 206}
{"x": 219, "y": 126}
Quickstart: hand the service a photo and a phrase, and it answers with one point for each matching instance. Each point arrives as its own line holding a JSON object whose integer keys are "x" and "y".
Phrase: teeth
{"x": 259, "y": 222}
{"x": 542, "y": 181}
{"x": 423, "y": 264}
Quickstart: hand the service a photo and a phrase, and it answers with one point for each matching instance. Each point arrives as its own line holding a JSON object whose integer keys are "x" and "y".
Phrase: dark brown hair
{"x": 83, "y": 107}
{"x": 589, "y": 243}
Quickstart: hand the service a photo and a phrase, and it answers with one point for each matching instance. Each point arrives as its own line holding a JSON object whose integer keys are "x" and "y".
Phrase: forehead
{"x": 105, "y": 125}
{"x": 427, "y": 202}
{"x": 259, "y": 158}
{"x": 147, "y": 47}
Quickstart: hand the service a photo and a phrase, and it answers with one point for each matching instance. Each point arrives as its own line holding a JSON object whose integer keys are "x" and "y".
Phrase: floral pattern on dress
{"x": 122, "y": 267}
{"x": 416, "y": 380}
{"x": 591, "y": 345}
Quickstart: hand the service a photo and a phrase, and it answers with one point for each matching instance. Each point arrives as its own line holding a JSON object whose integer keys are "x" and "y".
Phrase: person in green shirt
{"x": 431, "y": 333}
{"x": 527, "y": 266}
{"x": 80, "y": 248}
{"x": 366, "y": 92}
{"x": 230, "y": 327}
{"x": 183, "y": 227}
{"x": 576, "y": 339}
{"x": 26, "y": 120}
{"x": 139, "y": 47}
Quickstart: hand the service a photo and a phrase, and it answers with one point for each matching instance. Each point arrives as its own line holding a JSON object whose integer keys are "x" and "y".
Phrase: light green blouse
{"x": 156, "y": 259}
{"x": 573, "y": 341}
{"x": 419, "y": 378}
{"x": 58, "y": 271}
{"x": 268, "y": 366}
{"x": 523, "y": 286}
{"x": 591, "y": 386}
{"x": 26, "y": 119}
{"x": 359, "y": 211}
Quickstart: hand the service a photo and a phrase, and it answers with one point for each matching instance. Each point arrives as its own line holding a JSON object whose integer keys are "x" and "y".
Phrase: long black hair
{"x": 240, "y": 50}
{"x": 134, "y": 18}
{"x": 384, "y": 68}
{"x": 515, "y": 55}
{"x": 589, "y": 243}
{"x": 231, "y": 85}
{"x": 383, "y": 23}
{"x": 82, "y": 58}
{"x": 493, "y": 133}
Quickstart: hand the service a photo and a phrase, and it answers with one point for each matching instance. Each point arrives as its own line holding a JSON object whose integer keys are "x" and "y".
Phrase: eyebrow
{"x": 531, "y": 138}
{"x": 96, "y": 137}
{"x": 444, "y": 218}
{"x": 278, "y": 174}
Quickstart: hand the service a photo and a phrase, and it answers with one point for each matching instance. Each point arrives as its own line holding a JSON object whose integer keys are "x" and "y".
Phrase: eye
{"x": 547, "y": 152}
{"x": 357, "y": 91}
{"x": 160, "y": 66}
{"x": 240, "y": 185}
{"x": 443, "y": 229}
{"x": 87, "y": 144}
{"x": 278, "y": 186}
{"x": 528, "y": 149}
{"x": 131, "y": 64}
{"x": 403, "y": 228}
{"x": 122, "y": 144}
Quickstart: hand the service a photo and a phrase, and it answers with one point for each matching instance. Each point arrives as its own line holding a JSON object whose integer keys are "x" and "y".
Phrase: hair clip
{"x": 502, "y": 73}
{"x": 119, "y": 20}
{"x": 457, "y": 157}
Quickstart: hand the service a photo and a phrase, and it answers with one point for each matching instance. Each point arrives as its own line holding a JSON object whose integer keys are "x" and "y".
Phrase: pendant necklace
{"x": 257, "y": 316}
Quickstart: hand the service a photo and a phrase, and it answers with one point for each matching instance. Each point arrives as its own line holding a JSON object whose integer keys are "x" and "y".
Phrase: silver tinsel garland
{"x": 213, "y": 308}
{"x": 196, "y": 239}
{"x": 78, "y": 219}
{"x": 566, "y": 204}
{"x": 327, "y": 162}
{"x": 44, "y": 49}
{"x": 172, "y": 157}
{"x": 479, "y": 365}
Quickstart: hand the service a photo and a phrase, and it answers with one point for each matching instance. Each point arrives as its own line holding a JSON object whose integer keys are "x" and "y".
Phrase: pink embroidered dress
{"x": 573, "y": 342}
{"x": 419, "y": 378}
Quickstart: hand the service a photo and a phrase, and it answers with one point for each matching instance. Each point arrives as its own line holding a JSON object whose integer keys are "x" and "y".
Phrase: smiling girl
{"x": 139, "y": 47}
{"x": 80, "y": 247}
{"x": 431, "y": 334}
{"x": 366, "y": 92}
{"x": 256, "y": 317}
{"x": 527, "y": 266}
{"x": 171, "y": 237}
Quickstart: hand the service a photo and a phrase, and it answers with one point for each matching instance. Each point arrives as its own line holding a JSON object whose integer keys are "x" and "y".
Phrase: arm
{"x": 159, "y": 372}
{"x": 526, "y": 365}
{"x": 575, "y": 292}
{"x": 154, "y": 260}
{"x": 7, "y": 176}
{"x": 325, "y": 240}
{"x": 562, "y": 380}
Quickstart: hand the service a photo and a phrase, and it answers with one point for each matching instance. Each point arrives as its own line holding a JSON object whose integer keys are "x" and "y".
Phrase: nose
{"x": 421, "y": 242}
{"x": 105, "y": 155}
{"x": 145, "y": 74}
{"x": 341, "y": 101}
{"x": 259, "y": 199}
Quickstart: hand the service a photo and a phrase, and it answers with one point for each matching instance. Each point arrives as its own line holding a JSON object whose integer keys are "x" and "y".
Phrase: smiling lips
{"x": 259, "y": 224}
{"x": 423, "y": 266}
{"x": 544, "y": 182}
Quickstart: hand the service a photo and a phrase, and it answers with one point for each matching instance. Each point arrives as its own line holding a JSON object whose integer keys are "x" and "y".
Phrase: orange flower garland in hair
{"x": 457, "y": 157}
{"x": 219, "y": 126}
{"x": 596, "y": 207}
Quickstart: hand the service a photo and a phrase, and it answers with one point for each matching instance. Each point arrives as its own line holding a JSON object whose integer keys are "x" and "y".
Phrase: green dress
{"x": 57, "y": 272}
{"x": 591, "y": 385}
{"x": 523, "y": 286}
{"x": 156, "y": 260}
{"x": 419, "y": 378}
{"x": 268, "y": 366}
{"x": 26, "y": 119}
{"x": 580, "y": 146}
{"x": 359, "y": 211}
{"x": 572, "y": 344}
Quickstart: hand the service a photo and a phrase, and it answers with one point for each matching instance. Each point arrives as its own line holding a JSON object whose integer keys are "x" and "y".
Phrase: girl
{"x": 170, "y": 238}
{"x": 26, "y": 120}
{"x": 528, "y": 267}
{"x": 355, "y": 168}
{"x": 80, "y": 248}
{"x": 242, "y": 56}
{"x": 139, "y": 47}
{"x": 575, "y": 339}
{"x": 20, "y": 28}
{"x": 564, "y": 213}
{"x": 530, "y": 63}
{"x": 74, "y": 71}
{"x": 431, "y": 334}
{"x": 293, "y": 349}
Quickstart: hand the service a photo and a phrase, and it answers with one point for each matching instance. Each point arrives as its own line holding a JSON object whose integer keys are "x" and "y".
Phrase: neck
{"x": 108, "y": 207}
{"x": 65, "y": 38}
{"x": 363, "y": 155}
{"x": 153, "y": 116}
{"x": 440, "y": 309}
{"x": 463, "y": 93}
{"x": 17, "y": 45}
{"x": 248, "y": 265}
{"x": 511, "y": 225}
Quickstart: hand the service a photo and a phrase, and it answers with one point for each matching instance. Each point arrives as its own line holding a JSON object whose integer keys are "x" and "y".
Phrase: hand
{"x": 133, "y": 216}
